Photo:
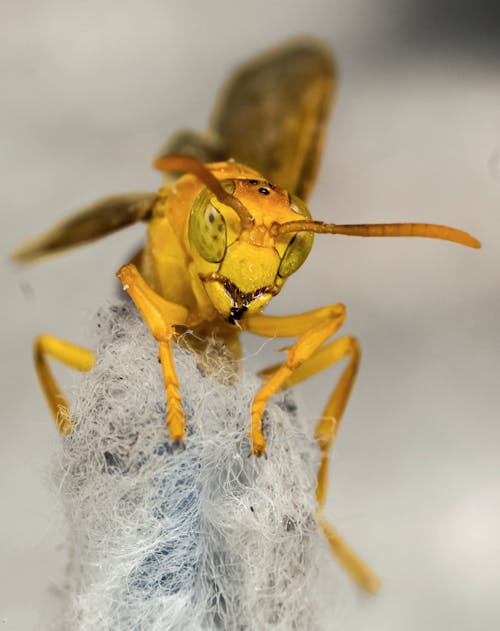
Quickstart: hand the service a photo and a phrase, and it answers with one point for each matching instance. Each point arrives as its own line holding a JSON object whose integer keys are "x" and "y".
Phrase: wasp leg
{"x": 327, "y": 427}
{"x": 364, "y": 576}
{"x": 161, "y": 316}
{"x": 326, "y": 433}
{"x": 69, "y": 354}
{"x": 313, "y": 329}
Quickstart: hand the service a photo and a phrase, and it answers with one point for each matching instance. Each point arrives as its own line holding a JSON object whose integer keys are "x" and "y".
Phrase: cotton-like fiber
{"x": 184, "y": 537}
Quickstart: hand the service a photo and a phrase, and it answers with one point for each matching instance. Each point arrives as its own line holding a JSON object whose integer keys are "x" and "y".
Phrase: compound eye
{"x": 301, "y": 244}
{"x": 296, "y": 253}
{"x": 207, "y": 228}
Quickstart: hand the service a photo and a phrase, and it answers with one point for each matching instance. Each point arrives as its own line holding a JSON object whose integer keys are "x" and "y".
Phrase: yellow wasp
{"x": 223, "y": 239}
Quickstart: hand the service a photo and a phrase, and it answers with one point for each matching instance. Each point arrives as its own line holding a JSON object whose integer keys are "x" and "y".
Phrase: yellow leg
{"x": 161, "y": 316}
{"x": 175, "y": 413}
{"x": 313, "y": 329}
{"x": 326, "y": 433}
{"x": 327, "y": 427}
{"x": 281, "y": 377}
{"x": 348, "y": 559}
{"x": 69, "y": 354}
{"x": 293, "y": 325}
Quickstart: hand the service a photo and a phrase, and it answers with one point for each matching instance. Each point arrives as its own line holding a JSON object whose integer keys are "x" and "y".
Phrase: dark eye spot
{"x": 264, "y": 191}
{"x": 253, "y": 182}
{"x": 211, "y": 218}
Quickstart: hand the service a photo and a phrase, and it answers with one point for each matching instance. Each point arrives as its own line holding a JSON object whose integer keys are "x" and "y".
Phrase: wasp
{"x": 222, "y": 240}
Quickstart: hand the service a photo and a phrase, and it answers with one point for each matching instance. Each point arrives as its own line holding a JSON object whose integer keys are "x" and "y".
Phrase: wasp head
{"x": 240, "y": 256}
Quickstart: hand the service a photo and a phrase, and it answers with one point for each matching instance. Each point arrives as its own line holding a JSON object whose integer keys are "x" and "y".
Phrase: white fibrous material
{"x": 197, "y": 536}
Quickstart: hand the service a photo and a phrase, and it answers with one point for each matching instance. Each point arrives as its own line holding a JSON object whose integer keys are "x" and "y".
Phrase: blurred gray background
{"x": 90, "y": 90}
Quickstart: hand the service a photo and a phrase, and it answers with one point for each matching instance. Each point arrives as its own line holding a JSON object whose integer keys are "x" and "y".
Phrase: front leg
{"x": 314, "y": 328}
{"x": 161, "y": 316}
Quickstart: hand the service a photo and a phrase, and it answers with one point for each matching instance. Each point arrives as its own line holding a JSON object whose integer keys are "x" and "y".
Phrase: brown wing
{"x": 272, "y": 116}
{"x": 273, "y": 112}
{"x": 103, "y": 217}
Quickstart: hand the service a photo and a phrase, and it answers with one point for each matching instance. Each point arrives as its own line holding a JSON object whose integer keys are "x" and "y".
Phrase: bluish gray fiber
{"x": 184, "y": 537}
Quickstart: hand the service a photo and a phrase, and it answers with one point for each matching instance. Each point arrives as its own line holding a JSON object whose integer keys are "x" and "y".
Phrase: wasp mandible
{"x": 223, "y": 239}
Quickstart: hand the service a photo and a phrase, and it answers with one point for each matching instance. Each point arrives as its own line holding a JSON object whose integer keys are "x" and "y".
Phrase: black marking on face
{"x": 263, "y": 190}
{"x": 241, "y": 300}
{"x": 236, "y": 313}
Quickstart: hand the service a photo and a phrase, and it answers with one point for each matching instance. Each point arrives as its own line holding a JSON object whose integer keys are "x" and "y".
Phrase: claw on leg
{"x": 256, "y": 434}
{"x": 176, "y": 419}
{"x": 258, "y": 444}
{"x": 64, "y": 421}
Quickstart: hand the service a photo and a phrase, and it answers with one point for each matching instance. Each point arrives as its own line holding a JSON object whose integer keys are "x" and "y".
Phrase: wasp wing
{"x": 103, "y": 217}
{"x": 271, "y": 115}
{"x": 203, "y": 146}
{"x": 273, "y": 112}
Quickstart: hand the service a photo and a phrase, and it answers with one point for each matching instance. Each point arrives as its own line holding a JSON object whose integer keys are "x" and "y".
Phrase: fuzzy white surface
{"x": 193, "y": 536}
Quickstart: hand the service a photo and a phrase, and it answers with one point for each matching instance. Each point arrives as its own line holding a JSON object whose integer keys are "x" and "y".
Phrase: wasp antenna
{"x": 428, "y": 230}
{"x": 198, "y": 169}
